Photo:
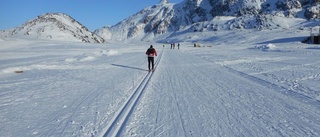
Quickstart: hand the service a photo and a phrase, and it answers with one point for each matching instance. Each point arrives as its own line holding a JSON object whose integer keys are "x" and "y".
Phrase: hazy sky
{"x": 93, "y": 14}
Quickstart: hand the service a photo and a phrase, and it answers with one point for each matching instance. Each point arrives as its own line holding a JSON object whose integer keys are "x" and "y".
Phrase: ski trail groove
{"x": 118, "y": 121}
{"x": 287, "y": 92}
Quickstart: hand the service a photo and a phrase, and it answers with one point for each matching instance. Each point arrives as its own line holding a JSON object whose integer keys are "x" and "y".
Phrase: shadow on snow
{"x": 123, "y": 66}
{"x": 284, "y": 40}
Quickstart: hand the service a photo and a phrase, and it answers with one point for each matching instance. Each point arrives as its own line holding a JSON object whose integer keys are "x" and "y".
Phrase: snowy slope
{"x": 53, "y": 26}
{"x": 238, "y": 83}
{"x": 165, "y": 19}
{"x": 250, "y": 75}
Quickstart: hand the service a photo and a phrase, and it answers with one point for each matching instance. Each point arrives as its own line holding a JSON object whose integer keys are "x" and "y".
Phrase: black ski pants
{"x": 151, "y": 62}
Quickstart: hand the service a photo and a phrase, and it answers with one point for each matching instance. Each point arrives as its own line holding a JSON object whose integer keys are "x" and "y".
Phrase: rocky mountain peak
{"x": 204, "y": 15}
{"x": 164, "y": 2}
{"x": 55, "y": 26}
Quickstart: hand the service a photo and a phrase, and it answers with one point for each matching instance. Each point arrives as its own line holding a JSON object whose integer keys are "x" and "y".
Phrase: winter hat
{"x": 151, "y": 46}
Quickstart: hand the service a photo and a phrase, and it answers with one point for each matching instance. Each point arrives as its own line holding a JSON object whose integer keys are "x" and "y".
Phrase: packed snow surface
{"x": 246, "y": 83}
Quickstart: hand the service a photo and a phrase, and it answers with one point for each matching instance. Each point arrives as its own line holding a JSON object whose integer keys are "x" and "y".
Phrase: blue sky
{"x": 93, "y": 14}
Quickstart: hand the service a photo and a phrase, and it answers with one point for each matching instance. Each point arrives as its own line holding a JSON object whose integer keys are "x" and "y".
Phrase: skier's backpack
{"x": 150, "y": 51}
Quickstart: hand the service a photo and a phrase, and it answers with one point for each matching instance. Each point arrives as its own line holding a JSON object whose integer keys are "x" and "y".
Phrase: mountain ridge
{"x": 190, "y": 15}
{"x": 165, "y": 20}
{"x": 54, "y": 26}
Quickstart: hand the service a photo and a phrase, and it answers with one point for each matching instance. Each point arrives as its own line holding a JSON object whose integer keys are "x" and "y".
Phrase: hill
{"x": 53, "y": 26}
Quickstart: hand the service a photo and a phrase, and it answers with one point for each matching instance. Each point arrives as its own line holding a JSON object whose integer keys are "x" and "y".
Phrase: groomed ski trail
{"x": 118, "y": 121}
{"x": 189, "y": 96}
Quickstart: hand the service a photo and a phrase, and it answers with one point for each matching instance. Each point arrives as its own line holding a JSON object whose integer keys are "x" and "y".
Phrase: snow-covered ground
{"x": 239, "y": 83}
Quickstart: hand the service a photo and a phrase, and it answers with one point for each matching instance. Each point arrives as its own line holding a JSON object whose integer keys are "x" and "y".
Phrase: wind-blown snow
{"x": 268, "y": 47}
{"x": 238, "y": 83}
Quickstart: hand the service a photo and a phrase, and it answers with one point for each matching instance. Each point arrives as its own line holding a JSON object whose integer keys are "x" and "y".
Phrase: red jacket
{"x": 152, "y": 54}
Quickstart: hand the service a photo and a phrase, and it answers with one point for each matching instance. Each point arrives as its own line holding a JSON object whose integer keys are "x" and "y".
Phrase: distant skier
{"x": 151, "y": 52}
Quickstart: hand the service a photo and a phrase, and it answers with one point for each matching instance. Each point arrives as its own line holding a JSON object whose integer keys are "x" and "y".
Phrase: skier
{"x": 151, "y": 52}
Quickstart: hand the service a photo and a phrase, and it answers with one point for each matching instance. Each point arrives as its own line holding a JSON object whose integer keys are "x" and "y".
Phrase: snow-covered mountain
{"x": 211, "y": 15}
{"x": 54, "y": 26}
{"x": 165, "y": 20}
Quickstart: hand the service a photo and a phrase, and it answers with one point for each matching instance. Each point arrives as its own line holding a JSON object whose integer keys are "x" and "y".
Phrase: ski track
{"x": 191, "y": 93}
{"x": 117, "y": 123}
{"x": 258, "y": 108}
{"x": 84, "y": 97}
{"x": 69, "y": 113}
